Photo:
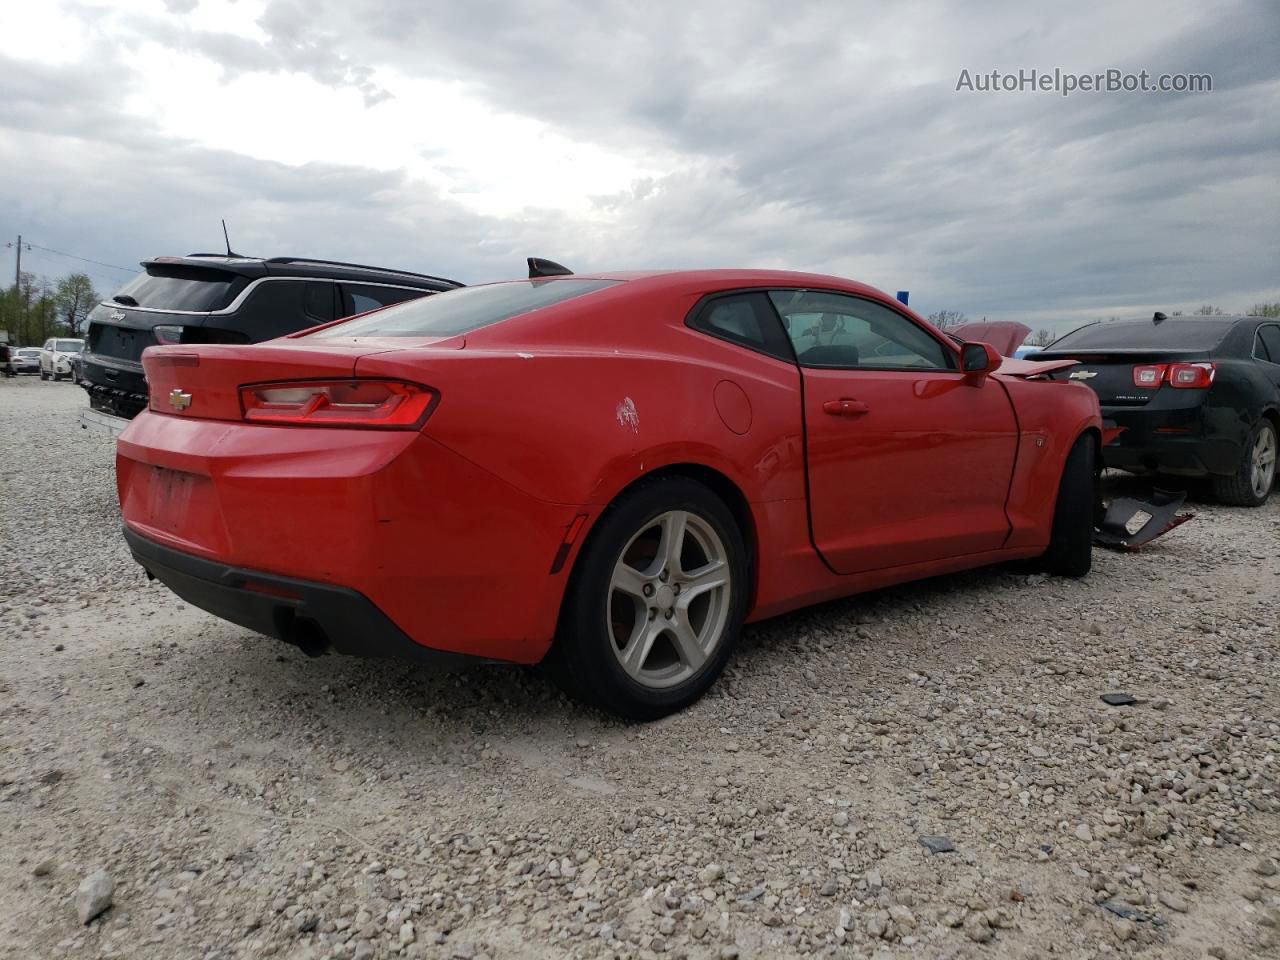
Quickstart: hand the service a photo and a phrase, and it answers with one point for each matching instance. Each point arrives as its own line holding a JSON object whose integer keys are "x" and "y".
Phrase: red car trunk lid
{"x": 203, "y": 382}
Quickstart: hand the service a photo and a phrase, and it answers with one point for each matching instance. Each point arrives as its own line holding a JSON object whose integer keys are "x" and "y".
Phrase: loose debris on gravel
{"x": 245, "y": 801}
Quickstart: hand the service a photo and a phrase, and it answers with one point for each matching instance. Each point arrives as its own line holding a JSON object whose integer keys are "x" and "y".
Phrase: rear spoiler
{"x": 1033, "y": 369}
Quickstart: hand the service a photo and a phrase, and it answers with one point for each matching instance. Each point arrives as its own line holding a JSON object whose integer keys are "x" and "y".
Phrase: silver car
{"x": 26, "y": 360}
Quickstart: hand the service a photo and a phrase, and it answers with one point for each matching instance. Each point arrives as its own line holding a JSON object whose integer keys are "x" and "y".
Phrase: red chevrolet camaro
{"x": 609, "y": 472}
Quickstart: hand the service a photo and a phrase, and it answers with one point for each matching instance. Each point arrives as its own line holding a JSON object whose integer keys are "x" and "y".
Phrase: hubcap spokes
{"x": 1264, "y": 462}
{"x": 669, "y": 599}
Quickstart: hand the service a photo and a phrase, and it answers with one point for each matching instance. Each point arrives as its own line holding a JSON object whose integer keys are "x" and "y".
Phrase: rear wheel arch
{"x": 587, "y": 660}
{"x": 720, "y": 484}
{"x": 1240, "y": 488}
{"x": 715, "y": 481}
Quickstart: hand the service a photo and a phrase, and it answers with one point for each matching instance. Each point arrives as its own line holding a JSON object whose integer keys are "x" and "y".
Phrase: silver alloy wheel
{"x": 1263, "y": 466}
{"x": 669, "y": 599}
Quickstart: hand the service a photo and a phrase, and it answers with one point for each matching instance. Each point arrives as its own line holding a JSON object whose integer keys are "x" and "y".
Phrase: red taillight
{"x": 1149, "y": 376}
{"x": 1190, "y": 376}
{"x": 382, "y": 404}
{"x": 1186, "y": 376}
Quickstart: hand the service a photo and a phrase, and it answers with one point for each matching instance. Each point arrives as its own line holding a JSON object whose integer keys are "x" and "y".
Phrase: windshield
{"x": 68, "y": 346}
{"x": 461, "y": 311}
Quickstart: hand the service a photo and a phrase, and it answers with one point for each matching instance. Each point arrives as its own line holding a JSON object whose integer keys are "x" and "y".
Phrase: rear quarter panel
{"x": 1241, "y": 393}
{"x": 578, "y": 424}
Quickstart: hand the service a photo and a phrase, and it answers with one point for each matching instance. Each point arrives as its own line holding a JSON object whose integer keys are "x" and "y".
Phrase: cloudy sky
{"x": 456, "y": 138}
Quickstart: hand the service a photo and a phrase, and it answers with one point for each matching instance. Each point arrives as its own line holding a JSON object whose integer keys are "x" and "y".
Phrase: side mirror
{"x": 979, "y": 358}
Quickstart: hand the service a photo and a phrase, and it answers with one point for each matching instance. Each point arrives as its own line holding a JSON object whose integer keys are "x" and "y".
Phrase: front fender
{"x": 1052, "y": 416}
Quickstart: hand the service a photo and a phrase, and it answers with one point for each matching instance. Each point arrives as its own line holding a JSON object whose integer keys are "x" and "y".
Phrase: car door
{"x": 1266, "y": 349}
{"x": 909, "y": 460}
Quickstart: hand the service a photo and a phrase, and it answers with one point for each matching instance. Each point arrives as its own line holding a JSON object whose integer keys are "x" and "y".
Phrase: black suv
{"x": 214, "y": 298}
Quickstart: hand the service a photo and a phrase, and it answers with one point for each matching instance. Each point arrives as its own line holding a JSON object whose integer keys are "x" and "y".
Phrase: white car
{"x": 55, "y": 357}
{"x": 26, "y": 359}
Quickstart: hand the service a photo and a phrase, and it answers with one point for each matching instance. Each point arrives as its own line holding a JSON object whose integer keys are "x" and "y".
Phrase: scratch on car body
{"x": 627, "y": 415}
{"x": 525, "y": 356}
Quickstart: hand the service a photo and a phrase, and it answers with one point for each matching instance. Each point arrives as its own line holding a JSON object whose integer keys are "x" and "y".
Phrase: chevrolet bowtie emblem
{"x": 1083, "y": 374}
{"x": 179, "y": 400}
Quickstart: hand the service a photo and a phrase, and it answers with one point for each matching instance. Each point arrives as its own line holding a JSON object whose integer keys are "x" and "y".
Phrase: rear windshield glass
{"x": 461, "y": 311}
{"x": 182, "y": 288}
{"x": 1175, "y": 333}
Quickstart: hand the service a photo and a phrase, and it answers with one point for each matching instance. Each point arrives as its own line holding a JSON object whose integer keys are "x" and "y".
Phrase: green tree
{"x": 1208, "y": 310}
{"x": 26, "y": 329}
{"x": 35, "y": 309}
{"x": 42, "y": 310}
{"x": 75, "y": 297}
{"x": 1265, "y": 310}
{"x": 9, "y": 313}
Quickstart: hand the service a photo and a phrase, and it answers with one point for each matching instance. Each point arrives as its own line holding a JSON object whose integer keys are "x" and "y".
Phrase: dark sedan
{"x": 1197, "y": 397}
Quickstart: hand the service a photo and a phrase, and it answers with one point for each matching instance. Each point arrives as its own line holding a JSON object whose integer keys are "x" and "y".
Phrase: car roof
{"x": 304, "y": 267}
{"x": 724, "y": 279}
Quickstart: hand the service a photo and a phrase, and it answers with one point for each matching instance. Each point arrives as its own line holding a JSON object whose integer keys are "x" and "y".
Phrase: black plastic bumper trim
{"x": 315, "y": 616}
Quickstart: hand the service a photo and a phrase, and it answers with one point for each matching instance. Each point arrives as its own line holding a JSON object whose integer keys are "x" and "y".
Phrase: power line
{"x": 40, "y": 265}
{"x": 73, "y": 256}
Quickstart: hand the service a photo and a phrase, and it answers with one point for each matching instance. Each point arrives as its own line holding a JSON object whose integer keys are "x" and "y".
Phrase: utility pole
{"x": 17, "y": 286}
{"x": 17, "y": 269}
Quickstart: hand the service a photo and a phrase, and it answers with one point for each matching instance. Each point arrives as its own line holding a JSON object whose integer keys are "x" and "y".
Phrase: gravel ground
{"x": 245, "y": 801}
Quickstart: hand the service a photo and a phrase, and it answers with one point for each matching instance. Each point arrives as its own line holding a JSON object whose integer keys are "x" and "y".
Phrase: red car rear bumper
{"x": 452, "y": 557}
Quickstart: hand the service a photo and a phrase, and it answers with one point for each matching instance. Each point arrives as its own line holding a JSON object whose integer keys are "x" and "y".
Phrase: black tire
{"x": 43, "y": 375}
{"x": 583, "y": 661}
{"x": 1238, "y": 489}
{"x": 1070, "y": 552}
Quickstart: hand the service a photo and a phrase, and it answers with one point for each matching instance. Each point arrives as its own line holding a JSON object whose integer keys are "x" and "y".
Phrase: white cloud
{"x": 458, "y": 138}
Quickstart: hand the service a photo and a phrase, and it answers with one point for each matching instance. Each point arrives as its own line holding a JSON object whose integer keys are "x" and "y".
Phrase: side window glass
{"x": 1269, "y": 337}
{"x": 317, "y": 303}
{"x": 359, "y": 298}
{"x": 746, "y": 319}
{"x": 847, "y": 332}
